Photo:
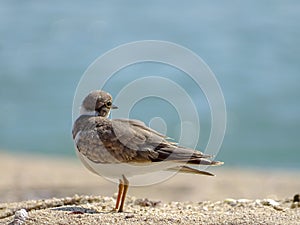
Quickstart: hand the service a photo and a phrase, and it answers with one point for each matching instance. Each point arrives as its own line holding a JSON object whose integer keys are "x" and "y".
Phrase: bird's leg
{"x": 126, "y": 185}
{"x": 120, "y": 192}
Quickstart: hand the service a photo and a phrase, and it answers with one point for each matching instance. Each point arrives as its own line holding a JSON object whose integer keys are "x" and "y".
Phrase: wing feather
{"x": 132, "y": 141}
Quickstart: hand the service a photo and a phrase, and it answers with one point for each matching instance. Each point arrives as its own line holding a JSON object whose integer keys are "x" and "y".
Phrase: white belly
{"x": 137, "y": 174}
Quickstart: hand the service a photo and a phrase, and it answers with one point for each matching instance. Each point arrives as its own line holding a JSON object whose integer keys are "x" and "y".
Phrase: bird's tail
{"x": 187, "y": 169}
{"x": 204, "y": 161}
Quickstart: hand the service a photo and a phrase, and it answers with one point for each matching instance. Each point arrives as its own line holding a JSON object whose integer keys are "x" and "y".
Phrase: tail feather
{"x": 178, "y": 154}
{"x": 187, "y": 169}
{"x": 203, "y": 161}
{"x": 183, "y": 155}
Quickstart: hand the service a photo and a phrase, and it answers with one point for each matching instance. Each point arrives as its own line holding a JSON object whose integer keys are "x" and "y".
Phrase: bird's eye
{"x": 108, "y": 104}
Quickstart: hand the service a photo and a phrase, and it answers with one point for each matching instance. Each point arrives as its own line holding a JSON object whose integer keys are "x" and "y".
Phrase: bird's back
{"x": 128, "y": 141}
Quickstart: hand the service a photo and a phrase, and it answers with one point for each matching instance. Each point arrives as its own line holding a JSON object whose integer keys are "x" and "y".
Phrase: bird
{"x": 122, "y": 148}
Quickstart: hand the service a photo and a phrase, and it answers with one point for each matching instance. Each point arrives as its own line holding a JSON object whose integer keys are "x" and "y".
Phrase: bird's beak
{"x": 114, "y": 107}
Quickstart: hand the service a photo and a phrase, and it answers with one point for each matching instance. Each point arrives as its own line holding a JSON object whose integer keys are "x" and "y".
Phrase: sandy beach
{"x": 97, "y": 210}
{"x": 75, "y": 196}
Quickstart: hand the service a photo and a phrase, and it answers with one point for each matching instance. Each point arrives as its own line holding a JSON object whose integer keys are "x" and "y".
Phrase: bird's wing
{"x": 138, "y": 124}
{"x": 129, "y": 140}
{"x": 132, "y": 141}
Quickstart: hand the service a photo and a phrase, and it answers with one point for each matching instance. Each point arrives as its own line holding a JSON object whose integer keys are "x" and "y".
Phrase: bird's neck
{"x": 85, "y": 112}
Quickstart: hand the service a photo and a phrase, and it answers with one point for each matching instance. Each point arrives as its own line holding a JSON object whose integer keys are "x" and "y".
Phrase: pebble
{"x": 146, "y": 202}
{"x": 231, "y": 201}
{"x": 243, "y": 200}
{"x": 20, "y": 217}
{"x": 129, "y": 216}
{"x": 269, "y": 202}
{"x": 296, "y": 202}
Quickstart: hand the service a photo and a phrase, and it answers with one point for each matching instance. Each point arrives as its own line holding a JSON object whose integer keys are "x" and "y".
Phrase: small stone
{"x": 231, "y": 202}
{"x": 20, "y": 217}
{"x": 278, "y": 208}
{"x": 129, "y": 216}
{"x": 243, "y": 200}
{"x": 296, "y": 202}
{"x": 269, "y": 202}
{"x": 296, "y": 198}
{"x": 205, "y": 208}
{"x": 146, "y": 202}
{"x": 295, "y": 205}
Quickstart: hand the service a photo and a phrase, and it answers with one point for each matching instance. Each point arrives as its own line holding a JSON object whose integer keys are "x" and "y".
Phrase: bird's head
{"x": 97, "y": 103}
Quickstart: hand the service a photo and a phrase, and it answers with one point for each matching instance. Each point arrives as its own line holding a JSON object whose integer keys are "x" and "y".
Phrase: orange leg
{"x": 121, "y": 189}
{"x": 125, "y": 189}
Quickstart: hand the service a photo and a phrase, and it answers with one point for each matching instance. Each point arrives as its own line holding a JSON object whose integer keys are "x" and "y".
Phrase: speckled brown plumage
{"x": 117, "y": 141}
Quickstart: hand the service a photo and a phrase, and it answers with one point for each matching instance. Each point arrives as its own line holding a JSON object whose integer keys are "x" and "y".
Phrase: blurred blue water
{"x": 253, "y": 47}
